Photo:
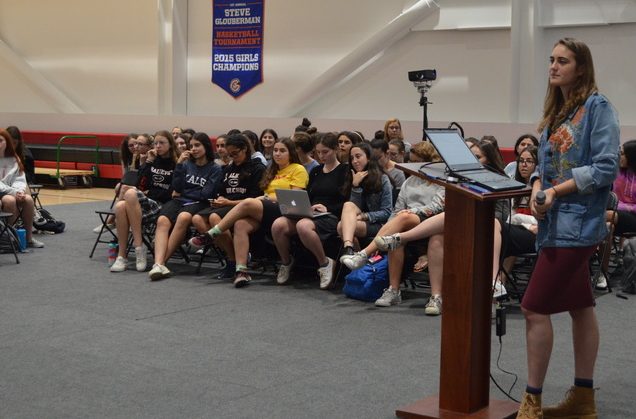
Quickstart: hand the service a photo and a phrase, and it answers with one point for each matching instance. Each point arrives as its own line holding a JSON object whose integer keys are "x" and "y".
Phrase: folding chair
{"x": 106, "y": 229}
{"x": 6, "y": 231}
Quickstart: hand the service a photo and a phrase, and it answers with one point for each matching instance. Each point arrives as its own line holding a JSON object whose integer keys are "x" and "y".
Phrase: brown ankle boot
{"x": 530, "y": 407}
{"x": 577, "y": 404}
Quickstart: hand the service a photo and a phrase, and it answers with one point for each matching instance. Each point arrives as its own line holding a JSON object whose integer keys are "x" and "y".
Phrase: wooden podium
{"x": 464, "y": 383}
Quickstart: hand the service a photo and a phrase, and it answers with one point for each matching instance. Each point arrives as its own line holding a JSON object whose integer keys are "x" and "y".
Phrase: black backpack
{"x": 46, "y": 222}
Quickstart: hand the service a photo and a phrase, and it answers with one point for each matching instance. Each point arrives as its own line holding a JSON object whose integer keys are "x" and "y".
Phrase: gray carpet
{"x": 79, "y": 342}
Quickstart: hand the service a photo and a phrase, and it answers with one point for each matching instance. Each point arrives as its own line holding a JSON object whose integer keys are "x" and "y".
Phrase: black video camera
{"x": 422, "y": 75}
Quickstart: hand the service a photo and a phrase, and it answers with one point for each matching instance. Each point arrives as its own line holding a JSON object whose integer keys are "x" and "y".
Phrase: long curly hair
{"x": 272, "y": 169}
{"x": 555, "y": 107}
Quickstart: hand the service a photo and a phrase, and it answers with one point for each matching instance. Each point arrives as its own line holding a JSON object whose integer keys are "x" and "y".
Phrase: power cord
{"x": 507, "y": 393}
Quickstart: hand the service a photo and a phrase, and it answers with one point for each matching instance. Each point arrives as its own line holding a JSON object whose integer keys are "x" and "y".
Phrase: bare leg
{"x": 161, "y": 239}
{"x": 347, "y": 224}
{"x": 282, "y": 229}
{"x": 28, "y": 212}
{"x": 200, "y": 223}
{"x": 435, "y": 254}
{"x": 250, "y": 207}
{"x": 428, "y": 227}
{"x": 309, "y": 237}
{"x": 223, "y": 240}
{"x": 396, "y": 263}
{"x": 178, "y": 233}
{"x": 133, "y": 209}
{"x": 401, "y": 222}
{"x": 242, "y": 230}
{"x": 585, "y": 335}
{"x": 539, "y": 340}
{"x": 10, "y": 205}
{"x": 121, "y": 217}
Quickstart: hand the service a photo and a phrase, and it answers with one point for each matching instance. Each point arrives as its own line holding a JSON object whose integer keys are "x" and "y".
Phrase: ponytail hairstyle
{"x": 272, "y": 169}
{"x": 555, "y": 108}
{"x": 372, "y": 183}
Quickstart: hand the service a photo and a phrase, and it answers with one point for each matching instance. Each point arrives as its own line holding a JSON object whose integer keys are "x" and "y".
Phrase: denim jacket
{"x": 376, "y": 205}
{"x": 584, "y": 148}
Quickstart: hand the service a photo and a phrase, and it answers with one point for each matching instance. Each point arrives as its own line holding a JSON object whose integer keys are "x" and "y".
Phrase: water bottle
{"x": 22, "y": 239}
{"x": 113, "y": 250}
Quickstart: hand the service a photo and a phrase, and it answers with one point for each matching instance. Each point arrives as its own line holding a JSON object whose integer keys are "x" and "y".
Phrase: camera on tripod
{"x": 422, "y": 76}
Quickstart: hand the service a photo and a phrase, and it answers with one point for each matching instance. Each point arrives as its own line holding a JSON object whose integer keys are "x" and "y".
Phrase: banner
{"x": 237, "y": 45}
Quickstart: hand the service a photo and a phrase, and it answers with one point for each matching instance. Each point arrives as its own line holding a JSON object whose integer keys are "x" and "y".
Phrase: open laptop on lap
{"x": 295, "y": 203}
{"x": 463, "y": 164}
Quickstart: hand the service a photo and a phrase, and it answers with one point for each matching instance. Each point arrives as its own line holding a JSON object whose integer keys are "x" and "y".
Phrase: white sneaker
{"x": 141, "y": 260}
{"x": 97, "y": 229}
{"x": 389, "y": 298}
{"x": 601, "y": 282}
{"x": 158, "y": 272}
{"x": 355, "y": 261}
{"x": 326, "y": 274}
{"x": 38, "y": 245}
{"x": 284, "y": 271}
{"x": 434, "y": 306}
{"x": 499, "y": 290}
{"x": 119, "y": 265}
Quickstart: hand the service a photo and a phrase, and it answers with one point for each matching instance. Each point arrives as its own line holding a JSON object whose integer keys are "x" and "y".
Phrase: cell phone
{"x": 375, "y": 259}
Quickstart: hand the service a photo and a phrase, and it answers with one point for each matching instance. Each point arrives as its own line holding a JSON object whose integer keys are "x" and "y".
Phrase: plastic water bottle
{"x": 22, "y": 239}
{"x": 113, "y": 250}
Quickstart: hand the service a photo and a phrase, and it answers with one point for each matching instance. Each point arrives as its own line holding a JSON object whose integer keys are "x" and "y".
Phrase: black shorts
{"x": 517, "y": 240}
{"x": 271, "y": 211}
{"x": 626, "y": 223}
{"x": 174, "y": 207}
{"x": 326, "y": 226}
{"x": 373, "y": 228}
{"x": 221, "y": 212}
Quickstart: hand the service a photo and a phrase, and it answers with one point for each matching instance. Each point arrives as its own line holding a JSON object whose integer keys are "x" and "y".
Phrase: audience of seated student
{"x": 417, "y": 201}
{"x": 328, "y": 189}
{"x": 196, "y": 179}
{"x": 23, "y": 152}
{"x": 519, "y": 233}
{"x": 142, "y": 204}
{"x": 241, "y": 179}
{"x": 346, "y": 140}
{"x": 304, "y": 149}
{"x": 433, "y": 228}
{"x": 371, "y": 198}
{"x": 129, "y": 163}
{"x": 252, "y": 214}
{"x": 223, "y": 159}
{"x": 625, "y": 190}
{"x": 380, "y": 150}
{"x": 397, "y": 151}
{"x": 181, "y": 140}
{"x": 13, "y": 188}
{"x": 256, "y": 145}
{"x": 267, "y": 140}
{"x": 521, "y": 143}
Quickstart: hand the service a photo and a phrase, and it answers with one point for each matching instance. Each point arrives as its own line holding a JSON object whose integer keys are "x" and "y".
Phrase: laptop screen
{"x": 453, "y": 150}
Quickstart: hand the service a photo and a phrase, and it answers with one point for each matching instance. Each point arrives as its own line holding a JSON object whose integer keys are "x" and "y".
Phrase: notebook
{"x": 463, "y": 164}
{"x": 295, "y": 203}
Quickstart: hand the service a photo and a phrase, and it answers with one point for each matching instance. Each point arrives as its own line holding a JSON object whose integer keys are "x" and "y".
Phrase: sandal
{"x": 241, "y": 279}
{"x": 421, "y": 264}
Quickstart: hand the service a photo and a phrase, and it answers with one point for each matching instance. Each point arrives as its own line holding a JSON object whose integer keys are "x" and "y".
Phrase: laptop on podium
{"x": 463, "y": 164}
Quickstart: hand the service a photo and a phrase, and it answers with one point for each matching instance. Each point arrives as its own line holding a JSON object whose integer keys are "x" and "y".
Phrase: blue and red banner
{"x": 237, "y": 45}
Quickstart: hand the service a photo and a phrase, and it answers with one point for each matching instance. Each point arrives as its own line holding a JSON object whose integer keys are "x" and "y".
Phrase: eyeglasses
{"x": 527, "y": 162}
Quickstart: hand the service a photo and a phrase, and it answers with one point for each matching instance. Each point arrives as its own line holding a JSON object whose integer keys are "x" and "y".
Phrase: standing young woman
{"x": 328, "y": 189}
{"x": 578, "y": 161}
{"x": 143, "y": 203}
{"x": 196, "y": 179}
{"x": 241, "y": 179}
{"x": 253, "y": 214}
{"x": 371, "y": 198}
{"x": 13, "y": 187}
{"x": 267, "y": 140}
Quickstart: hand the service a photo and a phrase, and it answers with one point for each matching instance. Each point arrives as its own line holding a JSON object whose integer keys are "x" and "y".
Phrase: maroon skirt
{"x": 560, "y": 281}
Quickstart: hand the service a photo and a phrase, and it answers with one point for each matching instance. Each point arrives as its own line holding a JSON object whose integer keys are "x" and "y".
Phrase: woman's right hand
{"x": 358, "y": 177}
{"x": 183, "y": 157}
{"x": 221, "y": 201}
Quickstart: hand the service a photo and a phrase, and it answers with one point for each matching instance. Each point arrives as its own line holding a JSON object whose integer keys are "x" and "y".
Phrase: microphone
{"x": 539, "y": 198}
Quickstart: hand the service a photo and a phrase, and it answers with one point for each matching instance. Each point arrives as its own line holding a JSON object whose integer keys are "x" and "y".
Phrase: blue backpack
{"x": 369, "y": 282}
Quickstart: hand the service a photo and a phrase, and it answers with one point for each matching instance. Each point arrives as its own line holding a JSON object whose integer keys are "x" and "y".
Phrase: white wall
{"x": 95, "y": 65}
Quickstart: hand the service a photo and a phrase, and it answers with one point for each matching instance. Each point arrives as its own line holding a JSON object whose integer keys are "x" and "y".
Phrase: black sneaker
{"x": 228, "y": 272}
{"x": 348, "y": 251}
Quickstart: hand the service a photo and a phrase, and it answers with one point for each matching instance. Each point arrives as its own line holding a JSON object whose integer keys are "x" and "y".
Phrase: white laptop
{"x": 295, "y": 203}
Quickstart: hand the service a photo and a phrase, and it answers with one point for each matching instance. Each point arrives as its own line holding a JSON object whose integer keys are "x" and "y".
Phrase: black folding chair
{"x": 7, "y": 233}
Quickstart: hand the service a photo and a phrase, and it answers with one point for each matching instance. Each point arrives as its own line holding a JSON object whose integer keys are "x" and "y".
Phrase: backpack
{"x": 369, "y": 282}
{"x": 628, "y": 280}
{"x": 46, "y": 222}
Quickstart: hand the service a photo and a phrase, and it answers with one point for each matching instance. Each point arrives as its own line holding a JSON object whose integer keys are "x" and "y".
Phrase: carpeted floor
{"x": 79, "y": 342}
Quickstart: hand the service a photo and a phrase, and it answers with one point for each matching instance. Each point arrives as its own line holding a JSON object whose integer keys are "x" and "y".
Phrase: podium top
{"x": 435, "y": 173}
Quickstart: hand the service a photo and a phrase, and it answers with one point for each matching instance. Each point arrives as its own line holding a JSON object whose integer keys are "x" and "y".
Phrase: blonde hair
{"x": 425, "y": 151}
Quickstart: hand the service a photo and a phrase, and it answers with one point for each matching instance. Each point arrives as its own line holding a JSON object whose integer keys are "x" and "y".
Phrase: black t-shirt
{"x": 242, "y": 181}
{"x": 156, "y": 178}
{"x": 326, "y": 188}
